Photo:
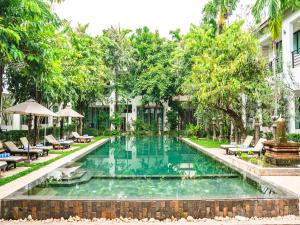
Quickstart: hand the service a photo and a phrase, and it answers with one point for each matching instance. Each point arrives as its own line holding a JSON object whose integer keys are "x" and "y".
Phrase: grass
{"x": 208, "y": 143}
{"x": 35, "y": 166}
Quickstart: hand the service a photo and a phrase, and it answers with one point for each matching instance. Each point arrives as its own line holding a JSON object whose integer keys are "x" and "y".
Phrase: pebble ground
{"x": 189, "y": 221}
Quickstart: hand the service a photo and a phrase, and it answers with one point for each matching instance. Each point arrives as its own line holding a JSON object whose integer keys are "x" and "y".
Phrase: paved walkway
{"x": 15, "y": 185}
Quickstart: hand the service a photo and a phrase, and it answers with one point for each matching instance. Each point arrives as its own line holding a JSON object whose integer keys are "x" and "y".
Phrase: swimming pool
{"x": 147, "y": 168}
{"x": 144, "y": 177}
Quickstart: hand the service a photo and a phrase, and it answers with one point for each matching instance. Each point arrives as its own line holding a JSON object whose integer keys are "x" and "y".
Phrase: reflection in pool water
{"x": 147, "y": 167}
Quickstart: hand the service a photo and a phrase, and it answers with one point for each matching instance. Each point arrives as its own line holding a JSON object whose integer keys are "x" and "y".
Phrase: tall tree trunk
{"x": 1, "y": 91}
{"x": 274, "y": 65}
{"x": 80, "y": 126}
{"x": 61, "y": 132}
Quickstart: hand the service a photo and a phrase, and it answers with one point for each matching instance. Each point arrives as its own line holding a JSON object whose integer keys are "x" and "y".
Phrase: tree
{"x": 155, "y": 80}
{"x": 29, "y": 54}
{"x": 228, "y": 65}
{"x": 118, "y": 58}
{"x": 83, "y": 69}
{"x": 218, "y": 10}
{"x": 276, "y": 10}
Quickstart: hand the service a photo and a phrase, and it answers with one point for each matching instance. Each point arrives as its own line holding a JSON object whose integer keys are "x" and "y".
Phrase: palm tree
{"x": 219, "y": 10}
{"x": 275, "y": 11}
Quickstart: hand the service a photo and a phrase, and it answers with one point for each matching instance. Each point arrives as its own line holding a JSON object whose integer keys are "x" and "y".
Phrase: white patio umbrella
{"x": 68, "y": 112}
{"x": 31, "y": 108}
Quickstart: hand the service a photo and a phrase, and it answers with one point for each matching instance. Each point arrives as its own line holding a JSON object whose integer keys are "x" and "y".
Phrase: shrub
{"x": 253, "y": 160}
{"x": 195, "y": 130}
{"x": 268, "y": 135}
{"x": 172, "y": 120}
{"x": 91, "y": 131}
{"x": 244, "y": 156}
{"x": 293, "y": 137}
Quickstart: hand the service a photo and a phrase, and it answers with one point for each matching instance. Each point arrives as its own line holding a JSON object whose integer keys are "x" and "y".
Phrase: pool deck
{"x": 15, "y": 185}
{"x": 285, "y": 178}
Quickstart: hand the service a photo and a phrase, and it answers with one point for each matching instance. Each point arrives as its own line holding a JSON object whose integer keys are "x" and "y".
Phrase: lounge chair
{"x": 3, "y": 166}
{"x": 62, "y": 142}
{"x": 81, "y": 139}
{"x": 11, "y": 161}
{"x": 245, "y": 144}
{"x": 257, "y": 149}
{"x": 25, "y": 144}
{"x": 56, "y": 144}
{"x": 14, "y": 150}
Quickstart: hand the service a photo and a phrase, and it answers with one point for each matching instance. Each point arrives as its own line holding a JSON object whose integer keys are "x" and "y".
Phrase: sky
{"x": 162, "y": 15}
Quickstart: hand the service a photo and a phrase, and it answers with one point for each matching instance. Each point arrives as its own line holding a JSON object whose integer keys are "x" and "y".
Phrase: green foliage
{"x": 91, "y": 131}
{"x": 208, "y": 143}
{"x": 195, "y": 130}
{"x": 293, "y": 137}
{"x": 275, "y": 10}
{"x": 116, "y": 119}
{"x": 155, "y": 79}
{"x": 227, "y": 65}
{"x": 253, "y": 160}
{"x": 172, "y": 120}
{"x": 244, "y": 156}
{"x": 269, "y": 135}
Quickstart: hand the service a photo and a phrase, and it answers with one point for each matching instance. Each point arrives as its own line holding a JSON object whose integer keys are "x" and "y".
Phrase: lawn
{"x": 208, "y": 143}
{"x": 35, "y": 166}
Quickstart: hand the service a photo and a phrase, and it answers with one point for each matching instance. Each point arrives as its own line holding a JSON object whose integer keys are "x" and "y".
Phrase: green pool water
{"x": 147, "y": 168}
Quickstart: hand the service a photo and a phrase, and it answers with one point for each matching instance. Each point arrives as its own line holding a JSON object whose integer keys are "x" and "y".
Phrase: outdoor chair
{"x": 65, "y": 143}
{"x": 14, "y": 150}
{"x": 11, "y": 161}
{"x": 81, "y": 139}
{"x": 55, "y": 144}
{"x": 245, "y": 144}
{"x": 25, "y": 144}
{"x": 3, "y": 166}
{"x": 257, "y": 149}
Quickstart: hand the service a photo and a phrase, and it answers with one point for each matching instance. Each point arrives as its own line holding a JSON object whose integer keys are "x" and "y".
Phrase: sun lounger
{"x": 25, "y": 144}
{"x": 81, "y": 139}
{"x": 257, "y": 149}
{"x": 14, "y": 150}
{"x": 245, "y": 144}
{"x": 11, "y": 161}
{"x": 56, "y": 144}
{"x": 62, "y": 142}
{"x": 3, "y": 166}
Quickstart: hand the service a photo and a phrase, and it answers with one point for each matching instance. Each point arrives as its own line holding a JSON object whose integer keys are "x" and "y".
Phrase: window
{"x": 127, "y": 109}
{"x": 296, "y": 40}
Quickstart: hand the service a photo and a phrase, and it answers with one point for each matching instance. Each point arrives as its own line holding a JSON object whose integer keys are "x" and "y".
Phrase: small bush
{"x": 195, "y": 130}
{"x": 172, "y": 120}
{"x": 253, "y": 160}
{"x": 293, "y": 137}
{"x": 268, "y": 135}
{"x": 244, "y": 156}
{"x": 91, "y": 131}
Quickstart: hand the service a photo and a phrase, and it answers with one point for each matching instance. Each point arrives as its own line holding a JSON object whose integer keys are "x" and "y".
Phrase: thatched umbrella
{"x": 68, "y": 112}
{"x": 30, "y": 108}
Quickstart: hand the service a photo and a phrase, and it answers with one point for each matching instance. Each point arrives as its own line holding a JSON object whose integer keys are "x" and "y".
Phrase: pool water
{"x": 147, "y": 168}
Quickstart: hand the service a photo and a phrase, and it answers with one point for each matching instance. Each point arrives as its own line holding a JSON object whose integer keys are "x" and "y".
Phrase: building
{"x": 98, "y": 114}
{"x": 287, "y": 61}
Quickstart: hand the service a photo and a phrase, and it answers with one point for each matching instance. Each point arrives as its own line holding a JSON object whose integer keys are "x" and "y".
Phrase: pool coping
{"x": 28, "y": 179}
{"x": 236, "y": 165}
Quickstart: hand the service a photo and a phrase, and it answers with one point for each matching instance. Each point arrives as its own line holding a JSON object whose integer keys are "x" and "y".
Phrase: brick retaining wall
{"x": 159, "y": 209}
